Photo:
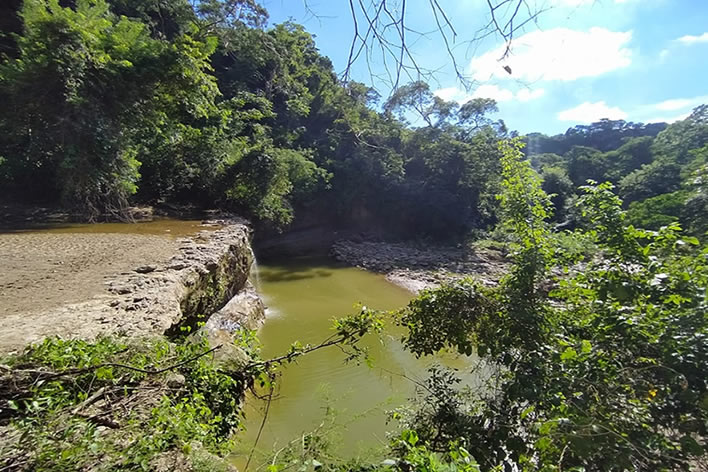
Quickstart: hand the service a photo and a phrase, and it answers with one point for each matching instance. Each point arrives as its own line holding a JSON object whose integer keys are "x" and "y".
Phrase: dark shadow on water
{"x": 32, "y": 227}
{"x": 288, "y": 275}
{"x": 298, "y": 268}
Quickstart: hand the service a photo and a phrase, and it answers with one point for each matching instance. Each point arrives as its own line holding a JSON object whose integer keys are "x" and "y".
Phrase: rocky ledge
{"x": 417, "y": 268}
{"x": 208, "y": 275}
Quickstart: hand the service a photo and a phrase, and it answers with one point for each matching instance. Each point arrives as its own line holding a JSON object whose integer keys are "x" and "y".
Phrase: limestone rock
{"x": 145, "y": 269}
{"x": 151, "y": 302}
{"x": 417, "y": 268}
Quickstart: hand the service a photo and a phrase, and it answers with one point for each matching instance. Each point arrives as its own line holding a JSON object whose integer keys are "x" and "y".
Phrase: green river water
{"x": 158, "y": 227}
{"x": 348, "y": 401}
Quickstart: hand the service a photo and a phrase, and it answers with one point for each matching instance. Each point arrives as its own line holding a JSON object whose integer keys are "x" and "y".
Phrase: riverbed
{"x": 347, "y": 402}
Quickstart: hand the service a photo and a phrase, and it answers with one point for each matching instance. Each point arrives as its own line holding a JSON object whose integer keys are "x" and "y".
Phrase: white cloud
{"x": 452, "y": 94}
{"x": 524, "y": 95}
{"x": 674, "y": 104}
{"x": 689, "y": 39}
{"x": 589, "y": 112}
{"x": 557, "y": 54}
{"x": 488, "y": 91}
{"x": 672, "y": 119}
{"x": 668, "y": 111}
{"x": 680, "y": 103}
{"x": 493, "y": 91}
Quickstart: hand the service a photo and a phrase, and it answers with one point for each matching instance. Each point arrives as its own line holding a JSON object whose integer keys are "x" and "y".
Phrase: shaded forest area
{"x": 110, "y": 103}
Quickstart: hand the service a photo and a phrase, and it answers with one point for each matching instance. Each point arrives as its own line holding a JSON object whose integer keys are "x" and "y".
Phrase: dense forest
{"x": 111, "y": 103}
{"x": 126, "y": 101}
{"x": 659, "y": 170}
{"x": 594, "y": 342}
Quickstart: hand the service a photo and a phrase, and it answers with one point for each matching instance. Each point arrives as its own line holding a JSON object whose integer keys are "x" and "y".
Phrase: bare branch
{"x": 383, "y": 35}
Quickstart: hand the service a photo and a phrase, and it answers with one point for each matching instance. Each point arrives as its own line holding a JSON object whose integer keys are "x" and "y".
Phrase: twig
{"x": 560, "y": 460}
{"x": 14, "y": 465}
{"x": 260, "y": 429}
{"x": 292, "y": 355}
{"x": 101, "y": 421}
{"x": 48, "y": 375}
{"x": 90, "y": 400}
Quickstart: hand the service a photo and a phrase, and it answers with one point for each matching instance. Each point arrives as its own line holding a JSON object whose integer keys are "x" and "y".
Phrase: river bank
{"x": 83, "y": 286}
{"x": 126, "y": 295}
{"x": 420, "y": 267}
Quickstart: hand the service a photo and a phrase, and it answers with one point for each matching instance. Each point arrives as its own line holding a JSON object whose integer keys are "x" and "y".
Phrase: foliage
{"x": 114, "y": 404}
{"x": 197, "y": 103}
{"x": 653, "y": 166}
{"x": 604, "y": 372}
{"x": 559, "y": 187}
{"x": 313, "y": 452}
{"x": 98, "y": 403}
{"x": 604, "y": 135}
{"x": 658, "y": 211}
{"x": 651, "y": 180}
{"x": 200, "y": 103}
{"x": 678, "y": 140}
{"x": 76, "y": 57}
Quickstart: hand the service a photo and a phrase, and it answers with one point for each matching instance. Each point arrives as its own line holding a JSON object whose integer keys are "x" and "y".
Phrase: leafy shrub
{"x": 118, "y": 404}
{"x": 607, "y": 372}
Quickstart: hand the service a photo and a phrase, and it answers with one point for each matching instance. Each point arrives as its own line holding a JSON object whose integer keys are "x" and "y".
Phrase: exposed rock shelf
{"x": 418, "y": 268}
{"x": 208, "y": 271}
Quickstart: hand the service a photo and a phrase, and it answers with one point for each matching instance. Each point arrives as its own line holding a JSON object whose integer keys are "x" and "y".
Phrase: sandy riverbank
{"x": 45, "y": 270}
{"x": 84, "y": 285}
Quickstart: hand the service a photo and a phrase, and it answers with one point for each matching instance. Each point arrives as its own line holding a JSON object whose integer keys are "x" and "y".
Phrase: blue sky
{"x": 638, "y": 60}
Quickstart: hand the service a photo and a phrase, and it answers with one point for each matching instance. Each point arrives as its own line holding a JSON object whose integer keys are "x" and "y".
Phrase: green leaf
{"x": 410, "y": 437}
{"x": 526, "y": 411}
{"x": 691, "y": 240}
{"x": 585, "y": 346}
{"x": 543, "y": 443}
{"x": 569, "y": 354}
{"x": 691, "y": 446}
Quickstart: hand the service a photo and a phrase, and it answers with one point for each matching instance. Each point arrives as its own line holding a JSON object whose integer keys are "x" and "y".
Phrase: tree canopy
{"x": 116, "y": 102}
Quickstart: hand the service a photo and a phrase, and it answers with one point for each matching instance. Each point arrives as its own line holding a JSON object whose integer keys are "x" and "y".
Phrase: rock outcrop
{"x": 208, "y": 275}
{"x": 419, "y": 268}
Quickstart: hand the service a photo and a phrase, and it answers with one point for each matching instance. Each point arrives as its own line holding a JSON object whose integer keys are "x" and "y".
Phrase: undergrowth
{"x": 117, "y": 405}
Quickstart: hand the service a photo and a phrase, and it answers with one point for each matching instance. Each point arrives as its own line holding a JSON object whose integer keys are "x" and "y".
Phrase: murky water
{"x": 302, "y": 298}
{"x": 157, "y": 227}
